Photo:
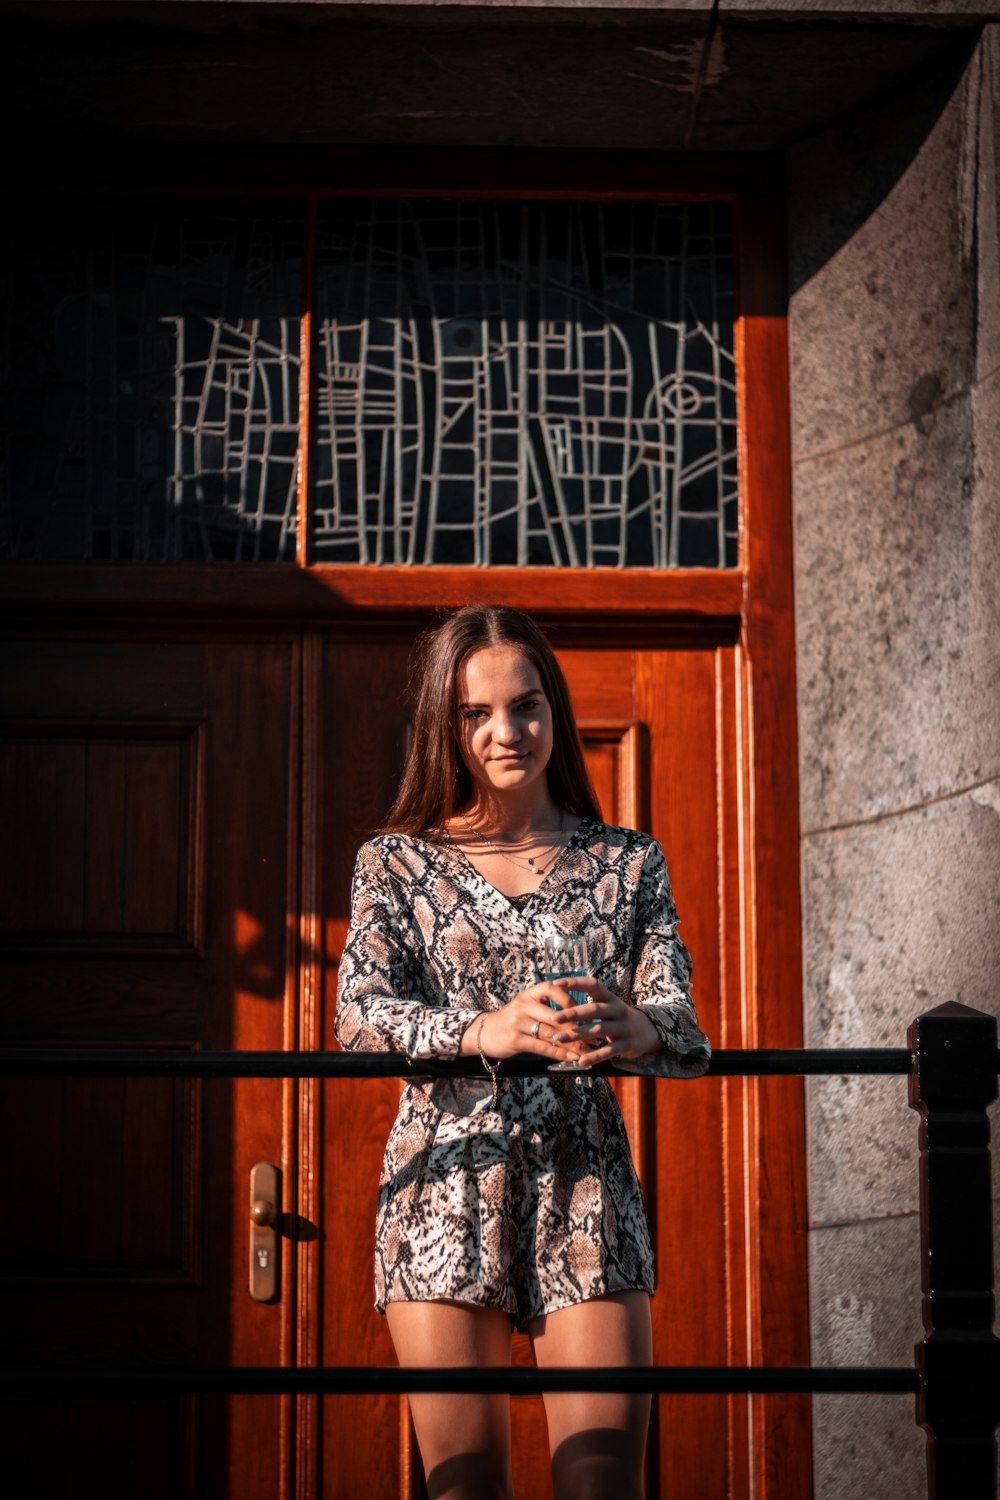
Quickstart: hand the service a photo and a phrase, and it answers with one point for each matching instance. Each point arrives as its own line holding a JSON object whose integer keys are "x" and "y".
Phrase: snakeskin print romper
{"x": 533, "y": 1205}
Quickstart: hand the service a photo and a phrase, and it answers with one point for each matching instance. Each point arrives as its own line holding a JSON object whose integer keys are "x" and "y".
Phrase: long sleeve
{"x": 382, "y": 1004}
{"x": 661, "y": 979}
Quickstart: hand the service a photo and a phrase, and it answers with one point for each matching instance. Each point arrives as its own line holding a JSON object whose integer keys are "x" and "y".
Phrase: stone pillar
{"x": 895, "y": 358}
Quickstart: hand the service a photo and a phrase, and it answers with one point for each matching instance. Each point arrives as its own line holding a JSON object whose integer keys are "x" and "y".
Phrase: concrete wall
{"x": 895, "y": 342}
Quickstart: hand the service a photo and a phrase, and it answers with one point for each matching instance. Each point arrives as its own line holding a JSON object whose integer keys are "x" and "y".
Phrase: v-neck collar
{"x": 549, "y": 875}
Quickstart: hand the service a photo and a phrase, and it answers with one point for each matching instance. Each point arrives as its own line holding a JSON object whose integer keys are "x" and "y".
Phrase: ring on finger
{"x": 535, "y": 1028}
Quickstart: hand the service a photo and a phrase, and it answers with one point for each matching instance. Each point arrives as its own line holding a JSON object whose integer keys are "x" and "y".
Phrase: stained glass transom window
{"x": 525, "y": 383}
{"x": 494, "y": 383}
{"x": 152, "y": 387}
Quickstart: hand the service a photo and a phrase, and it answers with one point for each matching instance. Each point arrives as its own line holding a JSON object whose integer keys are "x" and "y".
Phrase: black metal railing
{"x": 952, "y": 1063}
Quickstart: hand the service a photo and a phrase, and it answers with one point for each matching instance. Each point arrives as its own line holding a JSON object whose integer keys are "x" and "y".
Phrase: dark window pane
{"x": 152, "y": 381}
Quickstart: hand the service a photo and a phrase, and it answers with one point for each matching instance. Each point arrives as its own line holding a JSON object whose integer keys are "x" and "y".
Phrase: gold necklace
{"x": 525, "y": 863}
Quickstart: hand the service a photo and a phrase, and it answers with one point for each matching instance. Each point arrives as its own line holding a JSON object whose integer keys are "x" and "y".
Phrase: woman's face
{"x": 504, "y": 719}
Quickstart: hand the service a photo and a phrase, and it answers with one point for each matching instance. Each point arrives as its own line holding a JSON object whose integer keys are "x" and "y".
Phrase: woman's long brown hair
{"x": 436, "y": 781}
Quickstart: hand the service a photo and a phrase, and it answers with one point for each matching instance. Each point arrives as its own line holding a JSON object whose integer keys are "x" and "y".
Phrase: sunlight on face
{"x": 504, "y": 719}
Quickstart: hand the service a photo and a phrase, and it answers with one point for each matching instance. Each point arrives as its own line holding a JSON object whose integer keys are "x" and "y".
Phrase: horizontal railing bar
{"x": 367, "y": 1380}
{"x": 155, "y": 1062}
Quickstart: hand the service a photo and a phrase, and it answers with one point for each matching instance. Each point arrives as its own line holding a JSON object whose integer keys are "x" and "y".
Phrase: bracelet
{"x": 492, "y": 1068}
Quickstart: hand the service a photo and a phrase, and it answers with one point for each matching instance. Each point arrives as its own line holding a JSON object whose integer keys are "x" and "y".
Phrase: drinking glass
{"x": 566, "y": 958}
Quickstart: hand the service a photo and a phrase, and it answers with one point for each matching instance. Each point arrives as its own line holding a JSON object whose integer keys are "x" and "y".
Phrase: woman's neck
{"x": 514, "y": 816}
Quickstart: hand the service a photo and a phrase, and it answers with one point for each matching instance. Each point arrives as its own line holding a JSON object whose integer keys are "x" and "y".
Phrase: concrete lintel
{"x": 77, "y": 11}
{"x": 630, "y": 77}
{"x": 916, "y": 12}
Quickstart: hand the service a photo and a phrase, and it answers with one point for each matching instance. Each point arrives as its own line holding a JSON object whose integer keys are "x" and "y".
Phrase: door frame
{"x": 753, "y": 601}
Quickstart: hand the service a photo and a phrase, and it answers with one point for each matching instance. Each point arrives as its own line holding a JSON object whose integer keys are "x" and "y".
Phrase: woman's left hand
{"x": 624, "y": 1030}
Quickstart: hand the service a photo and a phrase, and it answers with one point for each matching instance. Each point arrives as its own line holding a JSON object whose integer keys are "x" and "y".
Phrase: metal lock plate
{"x": 265, "y": 1240}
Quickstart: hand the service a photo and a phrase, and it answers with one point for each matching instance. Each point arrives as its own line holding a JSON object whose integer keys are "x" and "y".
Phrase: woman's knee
{"x": 598, "y": 1463}
{"x": 469, "y": 1476}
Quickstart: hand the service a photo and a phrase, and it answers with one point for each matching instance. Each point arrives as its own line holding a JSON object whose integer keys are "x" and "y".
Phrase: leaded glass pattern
{"x": 152, "y": 393}
{"x": 525, "y": 383}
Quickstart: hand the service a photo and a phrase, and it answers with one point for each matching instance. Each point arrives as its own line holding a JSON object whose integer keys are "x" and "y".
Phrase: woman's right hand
{"x": 528, "y": 1024}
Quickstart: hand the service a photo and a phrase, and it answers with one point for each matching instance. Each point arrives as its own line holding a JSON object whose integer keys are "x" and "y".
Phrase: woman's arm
{"x": 655, "y": 1028}
{"x": 661, "y": 977}
{"x": 380, "y": 1003}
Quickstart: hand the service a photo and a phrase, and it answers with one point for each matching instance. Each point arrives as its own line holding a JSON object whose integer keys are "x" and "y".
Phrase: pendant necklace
{"x": 524, "y": 862}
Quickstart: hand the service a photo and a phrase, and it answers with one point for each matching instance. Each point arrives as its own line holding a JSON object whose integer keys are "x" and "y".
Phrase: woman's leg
{"x": 597, "y": 1442}
{"x": 464, "y": 1440}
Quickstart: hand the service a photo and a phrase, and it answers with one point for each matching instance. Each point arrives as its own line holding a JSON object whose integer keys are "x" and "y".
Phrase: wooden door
{"x": 148, "y": 873}
{"x": 220, "y": 777}
{"x": 684, "y": 683}
{"x": 660, "y": 719}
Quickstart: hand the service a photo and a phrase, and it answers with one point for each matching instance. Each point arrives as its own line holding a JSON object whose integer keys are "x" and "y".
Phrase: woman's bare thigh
{"x": 464, "y": 1440}
{"x": 596, "y": 1441}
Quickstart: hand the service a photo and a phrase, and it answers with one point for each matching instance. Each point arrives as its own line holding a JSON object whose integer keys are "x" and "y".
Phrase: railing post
{"x": 954, "y": 1080}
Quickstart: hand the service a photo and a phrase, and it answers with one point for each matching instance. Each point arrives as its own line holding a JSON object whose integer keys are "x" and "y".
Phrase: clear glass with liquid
{"x": 565, "y": 957}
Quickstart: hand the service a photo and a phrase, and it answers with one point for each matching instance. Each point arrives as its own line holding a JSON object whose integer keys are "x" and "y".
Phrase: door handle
{"x": 265, "y": 1242}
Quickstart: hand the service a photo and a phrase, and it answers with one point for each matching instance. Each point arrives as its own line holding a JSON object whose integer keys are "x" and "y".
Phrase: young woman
{"x": 513, "y": 1200}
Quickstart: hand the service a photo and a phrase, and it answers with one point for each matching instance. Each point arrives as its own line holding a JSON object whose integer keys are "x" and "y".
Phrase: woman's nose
{"x": 507, "y": 731}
